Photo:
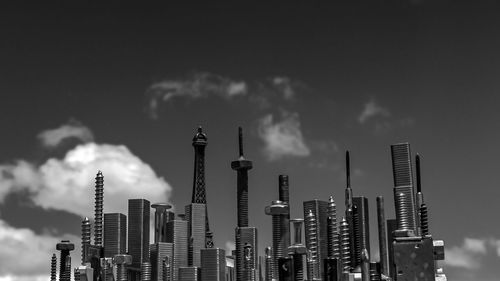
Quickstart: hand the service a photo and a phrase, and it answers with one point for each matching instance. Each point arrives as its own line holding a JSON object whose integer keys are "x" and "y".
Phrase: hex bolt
{"x": 121, "y": 261}
{"x": 161, "y": 218}
{"x": 65, "y": 247}
{"x": 278, "y": 210}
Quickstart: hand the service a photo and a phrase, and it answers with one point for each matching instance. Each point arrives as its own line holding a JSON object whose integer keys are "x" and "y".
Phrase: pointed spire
{"x": 417, "y": 165}
{"x": 348, "y": 169}
{"x": 240, "y": 141}
{"x": 99, "y": 200}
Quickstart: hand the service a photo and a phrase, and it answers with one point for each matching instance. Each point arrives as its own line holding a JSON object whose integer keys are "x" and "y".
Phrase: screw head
{"x": 65, "y": 245}
{"x": 122, "y": 259}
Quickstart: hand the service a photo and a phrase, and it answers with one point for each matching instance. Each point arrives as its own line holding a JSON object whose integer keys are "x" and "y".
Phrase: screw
{"x": 53, "y": 269}
{"x": 121, "y": 261}
{"x": 65, "y": 247}
{"x": 269, "y": 263}
{"x": 99, "y": 198}
{"x": 424, "y": 219}
{"x": 278, "y": 210}
{"x": 85, "y": 237}
{"x": 145, "y": 271}
{"x": 241, "y": 166}
{"x": 312, "y": 234}
{"x": 365, "y": 265}
{"x": 333, "y": 234}
{"x": 345, "y": 248}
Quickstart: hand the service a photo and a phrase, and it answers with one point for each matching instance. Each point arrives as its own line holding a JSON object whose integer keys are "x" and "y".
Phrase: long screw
{"x": 345, "y": 246}
{"x": 424, "y": 220}
{"x": 241, "y": 166}
{"x": 145, "y": 271}
{"x": 269, "y": 264}
{"x": 278, "y": 210}
{"x": 53, "y": 268}
{"x": 76, "y": 274}
{"x": 65, "y": 247}
{"x": 86, "y": 233}
{"x": 312, "y": 234}
{"x": 333, "y": 234}
{"x": 121, "y": 261}
{"x": 99, "y": 198}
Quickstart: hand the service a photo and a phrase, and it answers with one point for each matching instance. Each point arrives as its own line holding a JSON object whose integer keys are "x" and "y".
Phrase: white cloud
{"x": 74, "y": 129}
{"x": 471, "y": 253}
{"x": 285, "y": 85}
{"x": 25, "y": 255}
{"x": 68, "y": 184}
{"x": 200, "y": 85}
{"x": 282, "y": 138}
{"x": 371, "y": 110}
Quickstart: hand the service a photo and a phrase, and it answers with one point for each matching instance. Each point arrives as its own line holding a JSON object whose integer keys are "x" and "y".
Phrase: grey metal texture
{"x": 115, "y": 234}
{"x": 419, "y": 197}
{"x": 345, "y": 246}
{"x": 248, "y": 263}
{"x": 121, "y": 261}
{"x": 138, "y": 230}
{"x": 86, "y": 236}
{"x": 424, "y": 220}
{"x": 279, "y": 211}
{"x": 99, "y": 201}
{"x": 157, "y": 254}
{"x": 403, "y": 187}
{"x": 191, "y": 273}
{"x": 76, "y": 274}
{"x": 245, "y": 236}
{"x": 333, "y": 233}
{"x": 313, "y": 246}
{"x": 375, "y": 271}
{"x": 195, "y": 215}
{"x": 333, "y": 269}
{"x": 213, "y": 264}
{"x": 382, "y": 236}
{"x": 177, "y": 233}
{"x": 146, "y": 271}
{"x": 269, "y": 264}
{"x": 286, "y": 269}
{"x": 363, "y": 224}
{"x": 64, "y": 247}
{"x": 242, "y": 166}
{"x": 284, "y": 196}
{"x": 297, "y": 250}
{"x": 53, "y": 268}
{"x": 438, "y": 249}
{"x": 365, "y": 265}
{"x": 161, "y": 218}
{"x": 93, "y": 256}
{"x": 66, "y": 275}
{"x": 166, "y": 269}
{"x": 414, "y": 259}
{"x": 320, "y": 211}
{"x": 107, "y": 269}
{"x": 391, "y": 227}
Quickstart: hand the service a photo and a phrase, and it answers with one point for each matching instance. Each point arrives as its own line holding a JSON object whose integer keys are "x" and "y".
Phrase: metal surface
{"x": 269, "y": 264}
{"x": 365, "y": 265}
{"x": 375, "y": 274}
{"x": 297, "y": 250}
{"x": 248, "y": 263}
{"x": 319, "y": 209}
{"x": 121, "y": 261}
{"x": 284, "y": 196}
{"x": 414, "y": 259}
{"x": 382, "y": 236}
{"x": 279, "y": 210}
{"x": 196, "y": 218}
{"x": 333, "y": 234}
{"x": 424, "y": 220}
{"x": 53, "y": 268}
{"x": 115, "y": 234}
{"x": 66, "y": 275}
{"x": 191, "y": 273}
{"x": 177, "y": 233}
{"x": 245, "y": 236}
{"x": 362, "y": 226}
{"x": 391, "y": 228}
{"x": 403, "y": 188}
{"x": 345, "y": 246}
{"x": 286, "y": 270}
{"x": 99, "y": 198}
{"x": 313, "y": 246}
{"x": 86, "y": 236}
{"x": 157, "y": 253}
{"x": 64, "y": 247}
{"x": 333, "y": 269}
{"x": 166, "y": 269}
{"x": 161, "y": 219}
{"x": 213, "y": 264}
{"x": 138, "y": 230}
{"x": 145, "y": 271}
{"x": 242, "y": 166}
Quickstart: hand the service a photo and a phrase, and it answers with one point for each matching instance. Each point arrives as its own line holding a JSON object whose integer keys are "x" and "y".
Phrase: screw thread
{"x": 247, "y": 263}
{"x": 76, "y": 274}
{"x": 298, "y": 267}
{"x": 166, "y": 269}
{"x": 66, "y": 274}
{"x": 53, "y": 268}
{"x": 99, "y": 198}
{"x": 86, "y": 233}
{"x": 356, "y": 238}
{"x": 404, "y": 209}
{"x": 333, "y": 235}
{"x": 242, "y": 194}
{"x": 269, "y": 263}
{"x": 424, "y": 219}
{"x": 146, "y": 271}
{"x": 312, "y": 234}
{"x": 310, "y": 266}
{"x": 121, "y": 272}
{"x": 375, "y": 271}
{"x": 345, "y": 248}
{"x": 62, "y": 264}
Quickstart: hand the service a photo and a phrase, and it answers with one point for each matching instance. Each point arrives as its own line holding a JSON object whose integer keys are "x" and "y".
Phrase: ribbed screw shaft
{"x": 404, "y": 210}
{"x": 284, "y": 196}
{"x": 298, "y": 267}
{"x": 269, "y": 264}
{"x": 99, "y": 199}
{"x": 310, "y": 266}
{"x": 241, "y": 166}
{"x": 356, "y": 238}
{"x": 345, "y": 249}
{"x": 247, "y": 263}
{"x": 64, "y": 271}
{"x": 76, "y": 274}
{"x": 333, "y": 234}
{"x": 53, "y": 268}
{"x": 66, "y": 274}
{"x": 375, "y": 271}
{"x": 146, "y": 271}
{"x": 166, "y": 269}
{"x": 312, "y": 234}
{"x": 86, "y": 233}
{"x": 424, "y": 220}
{"x": 104, "y": 270}
{"x": 121, "y": 272}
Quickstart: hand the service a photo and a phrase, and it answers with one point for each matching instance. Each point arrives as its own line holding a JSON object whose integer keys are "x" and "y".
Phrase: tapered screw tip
{"x": 99, "y": 173}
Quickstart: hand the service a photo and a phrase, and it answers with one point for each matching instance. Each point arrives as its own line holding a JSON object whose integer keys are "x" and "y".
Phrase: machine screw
{"x": 121, "y": 261}
{"x": 65, "y": 247}
{"x": 99, "y": 199}
{"x": 53, "y": 269}
{"x": 86, "y": 233}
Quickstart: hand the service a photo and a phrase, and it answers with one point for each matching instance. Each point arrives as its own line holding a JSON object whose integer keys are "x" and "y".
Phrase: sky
{"x": 122, "y": 89}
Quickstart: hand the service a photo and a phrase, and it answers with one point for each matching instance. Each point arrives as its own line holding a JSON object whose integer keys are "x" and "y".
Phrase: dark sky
{"x": 429, "y": 68}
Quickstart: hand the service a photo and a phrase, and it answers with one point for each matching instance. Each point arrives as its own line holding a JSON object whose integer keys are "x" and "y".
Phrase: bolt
{"x": 85, "y": 237}
{"x": 65, "y": 247}
{"x": 333, "y": 234}
{"x": 99, "y": 198}
{"x": 269, "y": 264}
{"x": 241, "y": 166}
{"x": 278, "y": 210}
{"x": 312, "y": 234}
{"x": 161, "y": 218}
{"x": 53, "y": 269}
{"x": 166, "y": 269}
{"x": 145, "y": 271}
{"x": 121, "y": 261}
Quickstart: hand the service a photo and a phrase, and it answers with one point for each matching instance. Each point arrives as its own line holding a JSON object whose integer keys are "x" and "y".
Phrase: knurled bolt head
{"x": 122, "y": 259}
{"x": 277, "y": 208}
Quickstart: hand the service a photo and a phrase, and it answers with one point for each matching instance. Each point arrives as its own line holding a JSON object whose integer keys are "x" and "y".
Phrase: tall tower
{"x": 138, "y": 231}
{"x": 177, "y": 233}
{"x": 99, "y": 196}
{"x": 199, "y": 195}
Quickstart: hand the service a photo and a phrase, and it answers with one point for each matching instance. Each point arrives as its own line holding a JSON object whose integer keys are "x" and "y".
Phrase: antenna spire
{"x": 417, "y": 164}
{"x": 240, "y": 141}
{"x": 348, "y": 168}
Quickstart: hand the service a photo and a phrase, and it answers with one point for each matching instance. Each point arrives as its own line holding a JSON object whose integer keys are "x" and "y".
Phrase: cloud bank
{"x": 371, "y": 110}
{"x": 471, "y": 253}
{"x": 73, "y": 129}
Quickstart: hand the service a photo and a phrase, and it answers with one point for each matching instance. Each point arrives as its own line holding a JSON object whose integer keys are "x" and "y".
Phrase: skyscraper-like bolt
{"x": 167, "y": 265}
{"x": 99, "y": 198}
{"x": 86, "y": 233}
{"x": 241, "y": 166}
{"x": 146, "y": 271}
{"x": 65, "y": 247}
{"x": 333, "y": 234}
{"x": 298, "y": 250}
{"x": 269, "y": 264}
{"x": 345, "y": 248}
{"x": 278, "y": 210}
{"x": 53, "y": 269}
{"x": 284, "y": 196}
{"x": 67, "y": 270}
{"x": 121, "y": 261}
{"x": 161, "y": 218}
{"x": 312, "y": 234}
